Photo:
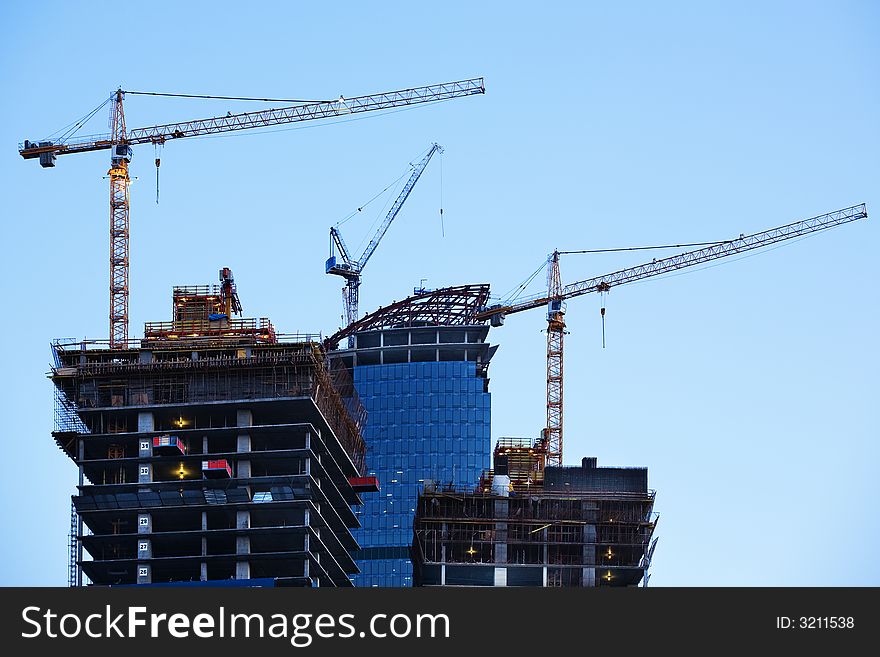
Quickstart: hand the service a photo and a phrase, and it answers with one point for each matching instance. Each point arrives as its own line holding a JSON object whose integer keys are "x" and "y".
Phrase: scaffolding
{"x": 572, "y": 538}
{"x": 90, "y": 378}
{"x": 73, "y": 548}
{"x": 521, "y": 460}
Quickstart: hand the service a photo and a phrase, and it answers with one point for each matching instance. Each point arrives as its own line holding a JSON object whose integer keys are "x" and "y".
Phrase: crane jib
{"x": 689, "y": 259}
{"x": 158, "y": 134}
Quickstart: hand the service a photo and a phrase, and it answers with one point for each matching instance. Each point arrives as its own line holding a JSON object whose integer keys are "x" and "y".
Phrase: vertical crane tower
{"x": 120, "y": 142}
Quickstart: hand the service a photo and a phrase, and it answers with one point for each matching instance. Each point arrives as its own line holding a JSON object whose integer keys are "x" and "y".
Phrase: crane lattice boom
{"x": 350, "y": 269}
{"x": 556, "y": 294}
{"x": 158, "y": 134}
{"x": 689, "y": 259}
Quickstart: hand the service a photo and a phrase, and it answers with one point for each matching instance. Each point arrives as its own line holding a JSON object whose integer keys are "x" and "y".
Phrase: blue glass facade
{"x": 426, "y": 420}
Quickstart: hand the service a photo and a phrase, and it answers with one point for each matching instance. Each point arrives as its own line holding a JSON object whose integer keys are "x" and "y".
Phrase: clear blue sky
{"x": 748, "y": 389}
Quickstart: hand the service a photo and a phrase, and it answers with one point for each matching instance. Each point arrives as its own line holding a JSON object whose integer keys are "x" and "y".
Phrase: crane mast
{"x": 557, "y": 294}
{"x": 555, "y": 344}
{"x": 120, "y": 156}
{"x": 120, "y": 142}
{"x": 350, "y": 269}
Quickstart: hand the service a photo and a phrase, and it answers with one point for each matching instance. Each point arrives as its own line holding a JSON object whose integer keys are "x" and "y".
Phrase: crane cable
{"x": 442, "y": 227}
{"x": 205, "y": 96}
{"x": 71, "y": 128}
{"x": 513, "y": 294}
{"x": 157, "y": 151}
{"x": 602, "y": 296}
{"x": 645, "y": 248}
{"x": 352, "y": 214}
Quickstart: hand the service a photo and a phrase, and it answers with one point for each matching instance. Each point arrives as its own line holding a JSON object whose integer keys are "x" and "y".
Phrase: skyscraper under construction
{"x": 420, "y": 367}
{"x": 215, "y": 451}
{"x": 529, "y": 524}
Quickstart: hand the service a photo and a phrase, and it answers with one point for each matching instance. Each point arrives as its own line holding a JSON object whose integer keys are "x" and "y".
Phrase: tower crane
{"x": 120, "y": 141}
{"x": 557, "y": 294}
{"x": 351, "y": 269}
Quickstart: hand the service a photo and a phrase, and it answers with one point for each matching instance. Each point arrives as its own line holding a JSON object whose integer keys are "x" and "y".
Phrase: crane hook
{"x": 157, "y": 148}
{"x": 602, "y": 313}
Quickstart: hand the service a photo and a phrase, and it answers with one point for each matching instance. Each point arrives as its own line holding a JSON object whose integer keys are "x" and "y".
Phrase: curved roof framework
{"x": 448, "y": 306}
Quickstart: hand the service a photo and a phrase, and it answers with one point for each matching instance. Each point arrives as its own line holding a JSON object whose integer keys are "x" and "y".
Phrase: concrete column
{"x": 242, "y": 544}
{"x": 145, "y": 451}
{"x": 588, "y": 575}
{"x": 145, "y": 527}
{"x": 146, "y": 422}
{"x": 145, "y": 473}
{"x": 443, "y": 534}
{"x": 203, "y": 567}
{"x": 144, "y": 573}
{"x": 80, "y": 457}
{"x": 204, "y": 444}
{"x": 501, "y": 511}
{"x": 145, "y": 548}
{"x": 243, "y": 418}
{"x": 145, "y": 523}
{"x": 500, "y": 577}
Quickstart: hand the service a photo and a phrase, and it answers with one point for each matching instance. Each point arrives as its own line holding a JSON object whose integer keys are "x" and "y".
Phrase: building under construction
{"x": 213, "y": 451}
{"x": 530, "y": 524}
{"x": 420, "y": 367}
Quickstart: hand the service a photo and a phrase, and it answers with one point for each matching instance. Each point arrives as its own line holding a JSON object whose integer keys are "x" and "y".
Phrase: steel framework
{"x": 447, "y": 306}
{"x": 119, "y": 228}
{"x": 689, "y": 259}
{"x": 158, "y": 134}
{"x": 555, "y": 344}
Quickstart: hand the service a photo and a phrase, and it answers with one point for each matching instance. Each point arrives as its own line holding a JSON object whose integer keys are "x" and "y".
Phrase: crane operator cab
{"x": 120, "y": 153}
{"x": 554, "y": 308}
